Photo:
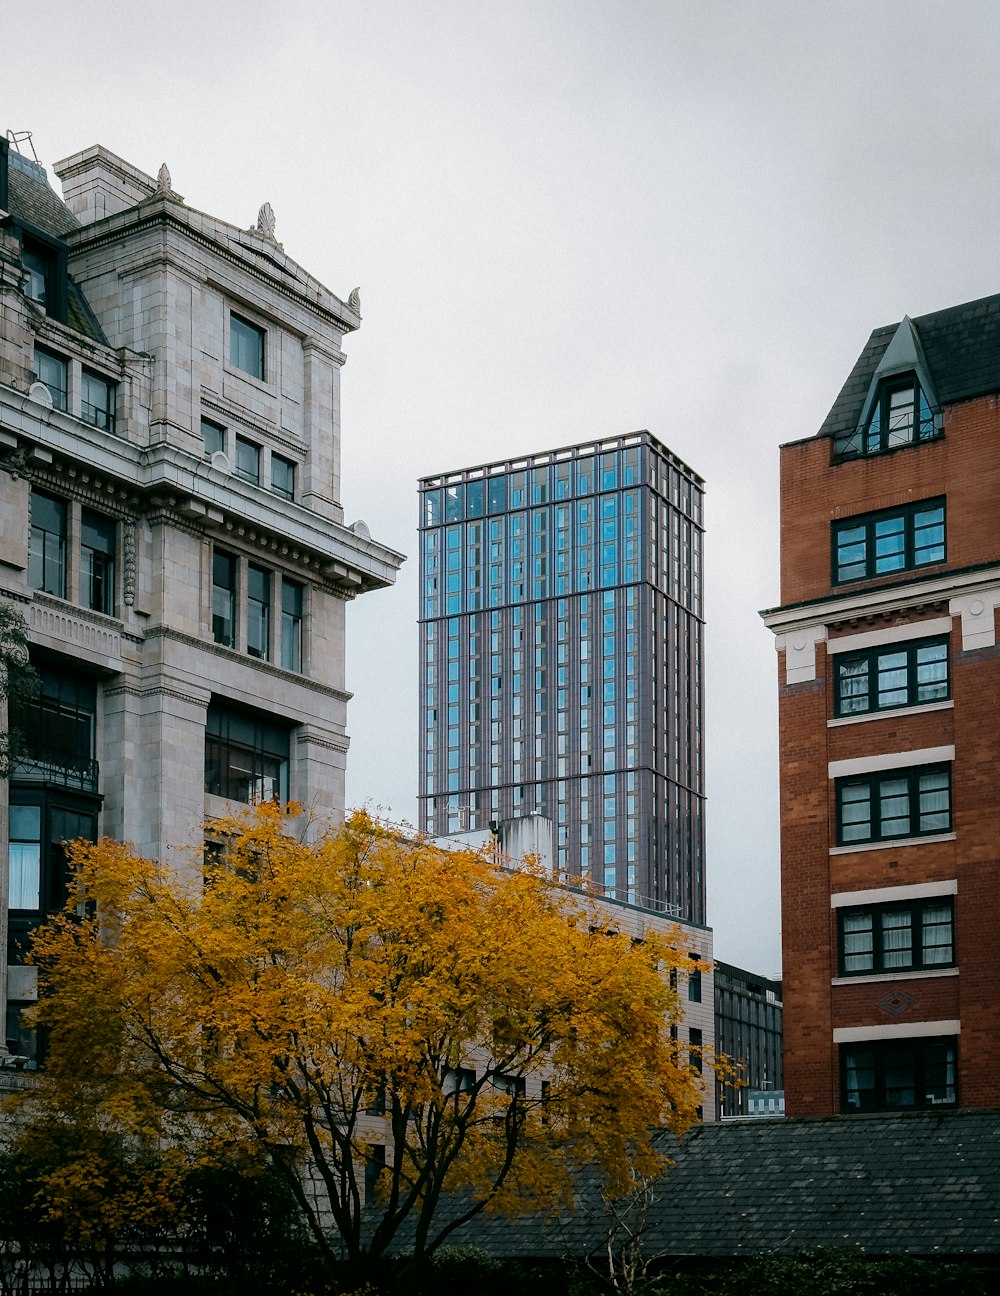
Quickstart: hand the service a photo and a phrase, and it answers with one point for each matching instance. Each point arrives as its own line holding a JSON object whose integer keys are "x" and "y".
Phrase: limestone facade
{"x": 171, "y": 523}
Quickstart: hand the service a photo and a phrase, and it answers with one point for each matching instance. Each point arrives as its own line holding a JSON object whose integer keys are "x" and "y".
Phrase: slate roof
{"x": 926, "y": 1183}
{"x": 33, "y": 200}
{"x": 962, "y": 349}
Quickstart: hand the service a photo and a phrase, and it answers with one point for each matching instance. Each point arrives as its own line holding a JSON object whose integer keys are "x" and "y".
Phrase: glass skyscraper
{"x": 561, "y": 661}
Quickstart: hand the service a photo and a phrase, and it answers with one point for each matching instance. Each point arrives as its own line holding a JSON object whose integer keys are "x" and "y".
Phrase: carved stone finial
{"x": 163, "y": 184}
{"x": 354, "y": 301}
{"x": 265, "y": 222}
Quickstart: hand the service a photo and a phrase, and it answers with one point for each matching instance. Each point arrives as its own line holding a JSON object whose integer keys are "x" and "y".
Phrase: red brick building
{"x": 889, "y": 677}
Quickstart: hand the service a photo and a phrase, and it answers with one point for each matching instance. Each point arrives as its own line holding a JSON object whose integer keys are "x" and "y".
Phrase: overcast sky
{"x": 569, "y": 219}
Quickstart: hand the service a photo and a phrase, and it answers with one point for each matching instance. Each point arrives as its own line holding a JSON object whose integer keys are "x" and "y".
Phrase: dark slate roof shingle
{"x": 926, "y": 1183}
{"x": 31, "y": 199}
{"x": 962, "y": 348}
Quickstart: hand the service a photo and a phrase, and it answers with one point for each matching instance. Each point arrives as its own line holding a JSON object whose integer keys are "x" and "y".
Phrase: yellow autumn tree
{"x": 408, "y": 1034}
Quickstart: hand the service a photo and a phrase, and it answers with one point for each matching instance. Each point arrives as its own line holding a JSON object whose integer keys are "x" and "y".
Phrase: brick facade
{"x": 837, "y": 1026}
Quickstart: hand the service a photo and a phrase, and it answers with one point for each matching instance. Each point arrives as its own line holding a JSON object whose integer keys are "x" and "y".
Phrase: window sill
{"x": 891, "y": 713}
{"x": 260, "y": 383}
{"x": 879, "y": 978}
{"x": 895, "y": 843}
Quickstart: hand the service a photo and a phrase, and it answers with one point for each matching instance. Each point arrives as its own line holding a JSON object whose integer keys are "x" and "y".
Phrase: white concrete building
{"x": 171, "y": 523}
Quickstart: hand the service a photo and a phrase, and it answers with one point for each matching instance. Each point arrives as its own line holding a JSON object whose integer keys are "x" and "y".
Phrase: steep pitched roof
{"x": 918, "y": 1182}
{"x": 31, "y": 199}
{"x": 962, "y": 350}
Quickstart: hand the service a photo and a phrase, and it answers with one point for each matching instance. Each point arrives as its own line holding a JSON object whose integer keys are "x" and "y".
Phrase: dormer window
{"x": 44, "y": 264}
{"x": 899, "y": 416}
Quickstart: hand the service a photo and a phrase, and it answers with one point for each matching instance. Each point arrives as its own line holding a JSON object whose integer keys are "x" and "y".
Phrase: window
{"x": 213, "y": 436}
{"x": 258, "y": 612}
{"x": 224, "y": 599}
{"x": 291, "y": 625}
{"x": 246, "y": 755}
{"x": 248, "y": 460}
{"x": 900, "y": 937}
{"x": 98, "y": 542}
{"x": 893, "y": 804}
{"x": 884, "y": 1075}
{"x": 40, "y": 823}
{"x": 57, "y": 725}
{"x": 695, "y": 1041}
{"x": 47, "y": 544}
{"x": 98, "y": 400}
{"x": 25, "y": 825}
{"x": 892, "y": 541}
{"x": 900, "y": 416}
{"x": 44, "y": 264}
{"x": 694, "y": 984}
{"x": 897, "y": 676}
{"x": 50, "y": 371}
{"x": 246, "y": 347}
{"x": 282, "y": 476}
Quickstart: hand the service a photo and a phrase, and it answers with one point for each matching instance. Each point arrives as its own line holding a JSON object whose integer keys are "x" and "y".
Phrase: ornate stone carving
{"x": 128, "y": 547}
{"x": 15, "y": 462}
{"x": 265, "y": 222}
{"x": 163, "y": 185}
{"x": 354, "y": 301}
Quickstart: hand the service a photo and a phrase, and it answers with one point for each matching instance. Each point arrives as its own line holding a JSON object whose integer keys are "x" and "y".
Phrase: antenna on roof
{"x": 17, "y": 138}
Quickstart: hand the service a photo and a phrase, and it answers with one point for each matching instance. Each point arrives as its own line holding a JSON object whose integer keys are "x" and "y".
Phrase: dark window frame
{"x": 907, "y": 515}
{"x": 920, "y": 948}
{"x": 887, "y": 1061}
{"x": 292, "y": 618}
{"x": 58, "y": 392}
{"x": 104, "y": 415}
{"x": 215, "y": 433}
{"x": 40, "y": 548}
{"x": 259, "y": 602}
{"x": 878, "y": 435}
{"x": 871, "y": 658}
{"x": 288, "y": 466}
{"x": 873, "y": 782}
{"x": 243, "y": 443}
{"x": 52, "y": 253}
{"x": 247, "y": 346}
{"x": 98, "y": 565}
{"x": 245, "y": 747}
{"x": 226, "y": 565}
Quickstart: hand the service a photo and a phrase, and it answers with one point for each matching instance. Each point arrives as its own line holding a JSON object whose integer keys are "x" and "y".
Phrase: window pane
{"x": 291, "y": 625}
{"x": 928, "y": 536}
{"x": 935, "y": 802}
{"x": 97, "y": 404}
{"x": 855, "y": 812}
{"x": 858, "y": 942}
{"x": 258, "y": 612}
{"x": 897, "y": 939}
{"x": 50, "y": 370}
{"x": 246, "y": 346}
{"x": 248, "y": 460}
{"x": 894, "y": 808}
{"x": 938, "y": 947}
{"x": 852, "y": 680}
{"x": 851, "y": 553}
{"x": 900, "y": 1076}
{"x": 890, "y": 552}
{"x": 224, "y": 599}
{"x": 900, "y": 416}
{"x": 98, "y": 542}
{"x": 931, "y": 672}
{"x": 213, "y": 436}
{"x": 47, "y": 544}
{"x": 892, "y": 679}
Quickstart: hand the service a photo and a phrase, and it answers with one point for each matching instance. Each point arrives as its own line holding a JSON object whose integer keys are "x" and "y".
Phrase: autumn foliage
{"x": 373, "y": 1018}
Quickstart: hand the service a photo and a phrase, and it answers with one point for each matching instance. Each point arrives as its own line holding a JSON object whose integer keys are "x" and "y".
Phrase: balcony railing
{"x": 38, "y": 766}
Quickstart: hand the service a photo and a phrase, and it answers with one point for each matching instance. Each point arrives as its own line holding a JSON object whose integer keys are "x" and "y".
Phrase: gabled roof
{"x": 918, "y": 1182}
{"x": 961, "y": 346}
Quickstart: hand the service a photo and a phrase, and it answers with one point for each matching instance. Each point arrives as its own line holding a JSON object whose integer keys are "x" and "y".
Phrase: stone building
{"x": 171, "y": 524}
{"x": 889, "y": 674}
